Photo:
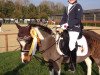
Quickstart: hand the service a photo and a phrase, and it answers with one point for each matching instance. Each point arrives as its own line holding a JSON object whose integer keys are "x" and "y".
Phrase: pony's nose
{"x": 25, "y": 61}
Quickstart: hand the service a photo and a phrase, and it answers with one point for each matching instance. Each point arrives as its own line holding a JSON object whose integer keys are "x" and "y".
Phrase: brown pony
{"x": 49, "y": 51}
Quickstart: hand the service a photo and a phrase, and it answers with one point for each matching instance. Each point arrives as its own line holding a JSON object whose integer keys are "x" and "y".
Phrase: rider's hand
{"x": 58, "y": 26}
{"x": 64, "y": 26}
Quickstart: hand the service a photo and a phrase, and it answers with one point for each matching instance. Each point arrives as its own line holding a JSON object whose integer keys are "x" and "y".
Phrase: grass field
{"x": 10, "y": 64}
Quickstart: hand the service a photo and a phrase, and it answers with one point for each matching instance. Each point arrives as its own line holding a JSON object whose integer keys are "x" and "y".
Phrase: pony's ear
{"x": 29, "y": 26}
{"x": 18, "y": 26}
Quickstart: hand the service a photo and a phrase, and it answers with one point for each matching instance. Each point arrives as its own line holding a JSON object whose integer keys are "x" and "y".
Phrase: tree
{"x": 59, "y": 8}
{"x": 23, "y": 9}
{"x": 44, "y": 10}
{"x": 1, "y": 9}
{"x": 8, "y": 8}
{"x": 54, "y": 8}
{"x": 32, "y": 11}
{"x": 23, "y": 2}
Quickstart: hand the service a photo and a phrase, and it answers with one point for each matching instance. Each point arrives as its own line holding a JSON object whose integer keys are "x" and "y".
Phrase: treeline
{"x": 25, "y": 9}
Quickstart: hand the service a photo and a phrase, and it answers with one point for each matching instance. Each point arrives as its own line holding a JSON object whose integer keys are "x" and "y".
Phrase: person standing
{"x": 71, "y": 20}
{"x": 0, "y": 26}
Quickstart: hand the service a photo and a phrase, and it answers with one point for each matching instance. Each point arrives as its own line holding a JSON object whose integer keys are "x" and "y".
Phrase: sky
{"x": 86, "y": 4}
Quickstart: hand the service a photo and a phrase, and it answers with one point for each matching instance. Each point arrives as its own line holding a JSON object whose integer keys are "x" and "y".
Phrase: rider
{"x": 71, "y": 20}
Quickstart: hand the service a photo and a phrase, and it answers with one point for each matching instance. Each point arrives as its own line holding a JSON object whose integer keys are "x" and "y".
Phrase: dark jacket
{"x": 73, "y": 18}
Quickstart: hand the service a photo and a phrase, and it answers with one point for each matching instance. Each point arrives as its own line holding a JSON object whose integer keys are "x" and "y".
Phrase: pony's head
{"x": 25, "y": 41}
{"x": 29, "y": 39}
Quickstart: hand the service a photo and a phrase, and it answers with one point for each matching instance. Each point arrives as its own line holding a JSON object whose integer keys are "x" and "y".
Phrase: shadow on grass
{"x": 15, "y": 71}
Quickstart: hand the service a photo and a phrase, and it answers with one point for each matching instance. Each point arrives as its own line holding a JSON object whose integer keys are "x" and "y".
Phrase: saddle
{"x": 63, "y": 43}
{"x": 80, "y": 35}
{"x": 81, "y": 44}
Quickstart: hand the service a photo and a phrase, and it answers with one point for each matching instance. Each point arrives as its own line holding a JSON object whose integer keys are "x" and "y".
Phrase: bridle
{"x": 25, "y": 38}
{"x": 42, "y": 51}
{"x": 24, "y": 50}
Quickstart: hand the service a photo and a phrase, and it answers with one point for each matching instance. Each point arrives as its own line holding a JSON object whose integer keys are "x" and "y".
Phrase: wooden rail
{"x": 84, "y": 21}
{"x": 6, "y": 40}
{"x": 90, "y": 21}
{"x": 87, "y": 22}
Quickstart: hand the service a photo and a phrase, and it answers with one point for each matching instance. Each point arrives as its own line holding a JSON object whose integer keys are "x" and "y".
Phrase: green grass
{"x": 10, "y": 64}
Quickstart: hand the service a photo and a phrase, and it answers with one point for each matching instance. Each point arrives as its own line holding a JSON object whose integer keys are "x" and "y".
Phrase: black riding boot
{"x": 72, "y": 64}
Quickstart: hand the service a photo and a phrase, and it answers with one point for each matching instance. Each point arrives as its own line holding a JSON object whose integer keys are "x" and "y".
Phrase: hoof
{"x": 71, "y": 71}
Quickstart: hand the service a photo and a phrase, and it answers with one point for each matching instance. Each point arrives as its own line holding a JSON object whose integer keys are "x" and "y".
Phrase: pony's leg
{"x": 59, "y": 68}
{"x": 51, "y": 72}
{"x": 51, "y": 69}
{"x": 59, "y": 71}
{"x": 89, "y": 65}
{"x": 99, "y": 69}
{"x": 54, "y": 67}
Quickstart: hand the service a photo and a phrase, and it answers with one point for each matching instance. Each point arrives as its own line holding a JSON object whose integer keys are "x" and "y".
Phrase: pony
{"x": 48, "y": 49}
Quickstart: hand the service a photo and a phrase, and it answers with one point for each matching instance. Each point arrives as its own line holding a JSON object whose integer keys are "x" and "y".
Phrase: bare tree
{"x": 23, "y": 2}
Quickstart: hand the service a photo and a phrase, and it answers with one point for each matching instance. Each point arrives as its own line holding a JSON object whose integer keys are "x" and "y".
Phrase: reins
{"x": 41, "y": 59}
{"x": 43, "y": 51}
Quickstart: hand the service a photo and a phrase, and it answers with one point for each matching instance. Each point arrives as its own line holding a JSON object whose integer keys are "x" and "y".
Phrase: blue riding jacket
{"x": 73, "y": 18}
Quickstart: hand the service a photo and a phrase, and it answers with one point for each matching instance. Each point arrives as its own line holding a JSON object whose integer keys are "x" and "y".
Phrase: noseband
{"x": 25, "y": 51}
{"x": 24, "y": 38}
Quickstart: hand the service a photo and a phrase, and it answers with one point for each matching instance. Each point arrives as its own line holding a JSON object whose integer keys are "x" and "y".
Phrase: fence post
{"x": 6, "y": 41}
{"x": 94, "y": 18}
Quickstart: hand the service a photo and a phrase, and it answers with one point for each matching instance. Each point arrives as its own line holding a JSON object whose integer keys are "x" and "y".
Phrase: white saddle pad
{"x": 83, "y": 50}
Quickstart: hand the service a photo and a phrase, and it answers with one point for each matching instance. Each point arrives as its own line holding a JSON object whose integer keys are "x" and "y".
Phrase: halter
{"x": 25, "y": 51}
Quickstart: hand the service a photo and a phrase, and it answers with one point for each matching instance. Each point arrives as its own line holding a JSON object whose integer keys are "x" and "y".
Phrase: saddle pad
{"x": 83, "y": 44}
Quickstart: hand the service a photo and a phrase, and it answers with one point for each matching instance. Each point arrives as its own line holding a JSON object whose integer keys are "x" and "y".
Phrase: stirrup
{"x": 65, "y": 56}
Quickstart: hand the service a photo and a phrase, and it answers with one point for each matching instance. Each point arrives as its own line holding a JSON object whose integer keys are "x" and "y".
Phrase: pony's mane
{"x": 46, "y": 29}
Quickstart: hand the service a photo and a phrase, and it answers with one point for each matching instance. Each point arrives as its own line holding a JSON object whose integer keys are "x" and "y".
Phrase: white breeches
{"x": 0, "y": 29}
{"x": 73, "y": 36}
